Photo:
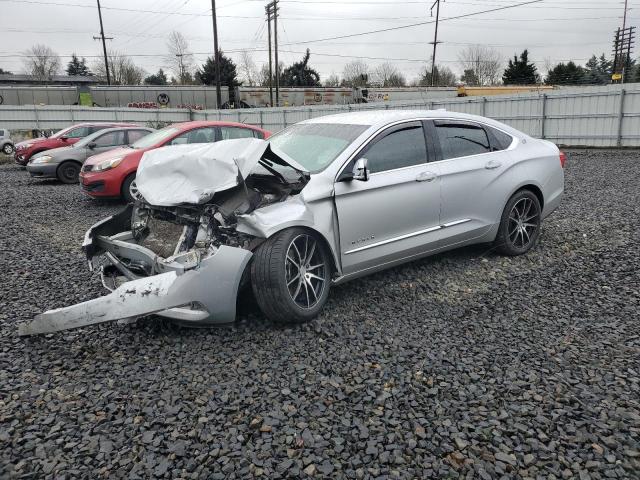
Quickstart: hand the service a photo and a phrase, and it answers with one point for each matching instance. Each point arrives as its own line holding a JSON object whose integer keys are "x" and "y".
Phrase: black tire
{"x": 126, "y": 188}
{"x": 520, "y": 224}
{"x": 7, "y": 149}
{"x": 273, "y": 267}
{"x": 68, "y": 172}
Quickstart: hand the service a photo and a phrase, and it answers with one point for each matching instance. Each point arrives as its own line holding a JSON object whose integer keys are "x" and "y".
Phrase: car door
{"x": 392, "y": 214}
{"x": 474, "y": 169}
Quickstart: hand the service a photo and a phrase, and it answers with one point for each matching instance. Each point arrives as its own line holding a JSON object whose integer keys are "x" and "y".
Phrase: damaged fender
{"x": 213, "y": 287}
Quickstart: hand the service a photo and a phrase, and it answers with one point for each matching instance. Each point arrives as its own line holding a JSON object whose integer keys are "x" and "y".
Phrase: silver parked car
{"x": 322, "y": 202}
{"x": 6, "y": 144}
{"x": 64, "y": 163}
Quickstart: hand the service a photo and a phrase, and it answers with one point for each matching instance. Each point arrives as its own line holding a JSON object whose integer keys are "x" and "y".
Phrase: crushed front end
{"x": 185, "y": 262}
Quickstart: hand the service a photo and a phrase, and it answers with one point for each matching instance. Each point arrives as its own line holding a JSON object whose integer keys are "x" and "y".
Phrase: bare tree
{"x": 122, "y": 69}
{"x": 444, "y": 77}
{"x": 264, "y": 75}
{"x": 355, "y": 74}
{"x": 332, "y": 80}
{"x": 387, "y": 75}
{"x": 482, "y": 65}
{"x": 179, "y": 60}
{"x": 247, "y": 68}
{"x": 41, "y": 62}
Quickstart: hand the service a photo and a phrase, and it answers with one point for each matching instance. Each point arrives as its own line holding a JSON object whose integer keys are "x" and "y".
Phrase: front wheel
{"x": 68, "y": 172}
{"x": 520, "y": 224}
{"x": 7, "y": 149}
{"x": 127, "y": 192}
{"x": 291, "y": 275}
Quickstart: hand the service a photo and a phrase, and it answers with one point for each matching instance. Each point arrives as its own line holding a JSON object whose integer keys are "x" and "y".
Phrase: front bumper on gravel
{"x": 190, "y": 290}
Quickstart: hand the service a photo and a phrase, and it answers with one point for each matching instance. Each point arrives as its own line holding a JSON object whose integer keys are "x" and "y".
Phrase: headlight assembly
{"x": 107, "y": 164}
{"x": 42, "y": 159}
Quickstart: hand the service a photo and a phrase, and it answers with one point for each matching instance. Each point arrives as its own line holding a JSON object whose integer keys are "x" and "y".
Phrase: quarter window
{"x": 457, "y": 140}
{"x": 502, "y": 140}
{"x": 402, "y": 148}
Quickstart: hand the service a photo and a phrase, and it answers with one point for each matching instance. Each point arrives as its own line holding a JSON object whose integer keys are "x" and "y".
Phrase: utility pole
{"x": 268, "y": 10}
{"x": 104, "y": 44}
{"x": 216, "y": 56}
{"x": 272, "y": 13}
{"x": 435, "y": 42}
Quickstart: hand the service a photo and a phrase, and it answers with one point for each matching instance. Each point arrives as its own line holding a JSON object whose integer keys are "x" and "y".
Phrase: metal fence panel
{"x": 589, "y": 116}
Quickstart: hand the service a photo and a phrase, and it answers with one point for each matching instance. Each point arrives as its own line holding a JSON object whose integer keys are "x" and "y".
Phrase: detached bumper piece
{"x": 197, "y": 293}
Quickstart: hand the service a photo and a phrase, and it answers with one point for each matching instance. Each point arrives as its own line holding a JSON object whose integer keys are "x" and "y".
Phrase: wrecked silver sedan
{"x": 322, "y": 202}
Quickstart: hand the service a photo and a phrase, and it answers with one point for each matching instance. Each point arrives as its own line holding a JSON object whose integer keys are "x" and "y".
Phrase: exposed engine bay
{"x": 164, "y": 258}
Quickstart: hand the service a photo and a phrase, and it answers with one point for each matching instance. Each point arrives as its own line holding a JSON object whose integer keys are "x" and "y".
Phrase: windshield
{"x": 316, "y": 145}
{"x": 155, "y": 137}
{"x": 62, "y": 132}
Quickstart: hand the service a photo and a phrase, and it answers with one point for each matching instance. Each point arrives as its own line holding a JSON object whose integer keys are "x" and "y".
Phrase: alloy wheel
{"x": 7, "y": 149}
{"x": 524, "y": 221}
{"x": 305, "y": 271}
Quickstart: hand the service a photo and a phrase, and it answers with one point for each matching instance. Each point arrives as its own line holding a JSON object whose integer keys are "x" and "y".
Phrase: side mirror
{"x": 64, "y": 138}
{"x": 92, "y": 145}
{"x": 361, "y": 170}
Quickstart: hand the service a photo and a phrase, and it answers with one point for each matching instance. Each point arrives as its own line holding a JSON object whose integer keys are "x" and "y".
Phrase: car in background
{"x": 111, "y": 174}
{"x": 6, "y": 144}
{"x": 64, "y": 163}
{"x": 68, "y": 136}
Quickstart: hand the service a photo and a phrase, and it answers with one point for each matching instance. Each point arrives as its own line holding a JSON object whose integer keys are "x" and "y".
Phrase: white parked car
{"x": 6, "y": 144}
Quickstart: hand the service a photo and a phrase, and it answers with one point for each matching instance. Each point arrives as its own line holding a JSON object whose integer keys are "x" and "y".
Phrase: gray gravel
{"x": 465, "y": 365}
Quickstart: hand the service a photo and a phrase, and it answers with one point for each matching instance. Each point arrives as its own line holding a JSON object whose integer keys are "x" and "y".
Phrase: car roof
{"x": 380, "y": 118}
{"x": 212, "y": 123}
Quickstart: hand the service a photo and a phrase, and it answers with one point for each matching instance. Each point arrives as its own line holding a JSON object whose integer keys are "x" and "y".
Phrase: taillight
{"x": 563, "y": 159}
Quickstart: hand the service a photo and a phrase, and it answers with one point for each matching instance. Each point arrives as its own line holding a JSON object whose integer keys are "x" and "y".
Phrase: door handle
{"x": 492, "y": 165}
{"x": 426, "y": 177}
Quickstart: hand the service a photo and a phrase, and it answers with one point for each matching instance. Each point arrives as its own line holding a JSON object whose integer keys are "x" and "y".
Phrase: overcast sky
{"x": 552, "y": 30}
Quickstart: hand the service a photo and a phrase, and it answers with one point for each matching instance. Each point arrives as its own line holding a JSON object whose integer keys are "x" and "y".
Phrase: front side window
{"x": 155, "y": 138}
{"x": 316, "y": 145}
{"x": 230, "y": 133}
{"x": 79, "y": 132}
{"x": 135, "y": 135}
{"x": 110, "y": 139}
{"x": 462, "y": 140}
{"x": 402, "y": 148}
{"x": 199, "y": 135}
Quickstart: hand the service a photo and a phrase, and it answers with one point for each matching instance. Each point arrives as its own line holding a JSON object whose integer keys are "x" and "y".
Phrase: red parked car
{"x": 70, "y": 135}
{"x": 110, "y": 174}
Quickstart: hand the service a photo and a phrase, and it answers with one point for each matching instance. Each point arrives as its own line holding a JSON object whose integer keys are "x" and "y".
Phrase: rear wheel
{"x": 291, "y": 275}
{"x": 126, "y": 188}
{"x": 68, "y": 172}
{"x": 520, "y": 224}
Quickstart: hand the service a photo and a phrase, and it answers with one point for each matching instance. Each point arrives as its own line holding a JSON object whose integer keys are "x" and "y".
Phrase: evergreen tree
{"x": 300, "y": 74}
{"x": 470, "y": 78}
{"x": 520, "y": 71}
{"x": 598, "y": 70}
{"x": 566, "y": 74}
{"x": 78, "y": 67}
{"x": 206, "y": 75}
{"x": 159, "y": 78}
{"x": 5, "y": 72}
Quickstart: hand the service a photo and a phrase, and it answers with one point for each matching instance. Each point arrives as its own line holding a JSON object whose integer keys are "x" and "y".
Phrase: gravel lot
{"x": 464, "y": 365}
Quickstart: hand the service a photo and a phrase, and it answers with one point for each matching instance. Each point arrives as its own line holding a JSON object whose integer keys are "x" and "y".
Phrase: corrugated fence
{"x": 606, "y": 116}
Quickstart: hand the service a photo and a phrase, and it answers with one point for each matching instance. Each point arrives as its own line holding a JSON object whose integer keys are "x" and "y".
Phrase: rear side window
{"x": 462, "y": 140}
{"x": 2, "y": 133}
{"x": 229, "y": 133}
{"x": 402, "y": 148}
{"x": 501, "y": 140}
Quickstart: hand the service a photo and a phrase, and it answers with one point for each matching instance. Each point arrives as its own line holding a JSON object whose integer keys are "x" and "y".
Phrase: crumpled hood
{"x": 31, "y": 141}
{"x": 193, "y": 174}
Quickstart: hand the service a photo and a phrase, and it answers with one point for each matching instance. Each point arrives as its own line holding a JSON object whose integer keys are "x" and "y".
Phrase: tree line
{"x": 481, "y": 66}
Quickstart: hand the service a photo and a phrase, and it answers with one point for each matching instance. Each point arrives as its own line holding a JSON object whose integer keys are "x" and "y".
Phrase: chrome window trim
{"x": 408, "y": 235}
{"x": 365, "y": 143}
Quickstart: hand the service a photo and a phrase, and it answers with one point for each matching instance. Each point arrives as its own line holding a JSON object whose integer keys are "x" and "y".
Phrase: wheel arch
{"x": 537, "y": 191}
{"x": 67, "y": 161}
